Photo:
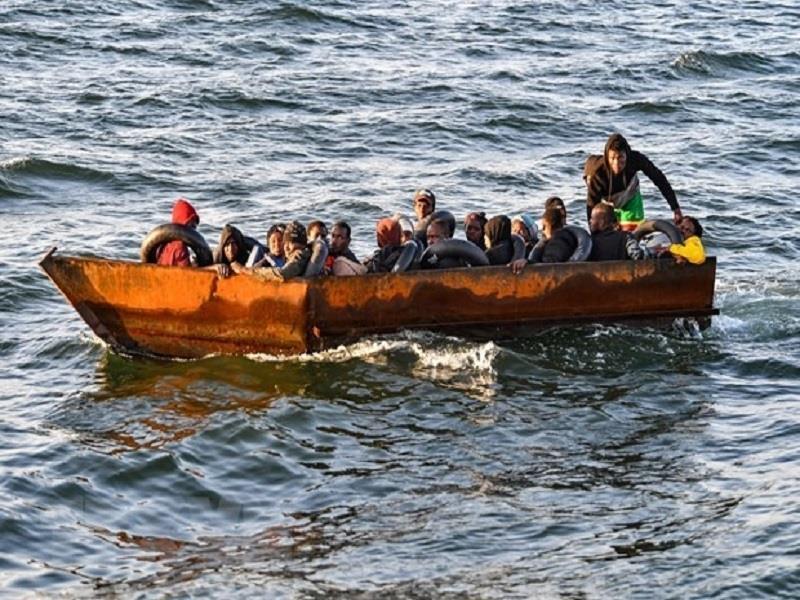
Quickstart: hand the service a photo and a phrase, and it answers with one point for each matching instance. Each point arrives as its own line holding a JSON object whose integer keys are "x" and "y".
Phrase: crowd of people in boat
{"x": 614, "y": 212}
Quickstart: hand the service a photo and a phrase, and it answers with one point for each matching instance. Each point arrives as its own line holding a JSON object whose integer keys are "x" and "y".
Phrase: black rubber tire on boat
{"x": 170, "y": 232}
{"x": 408, "y": 255}
{"x": 666, "y": 227}
{"x": 584, "y": 248}
{"x": 461, "y": 249}
{"x": 319, "y": 253}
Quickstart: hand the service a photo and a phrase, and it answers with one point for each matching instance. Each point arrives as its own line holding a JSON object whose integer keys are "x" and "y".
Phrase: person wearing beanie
{"x": 295, "y": 247}
{"x": 388, "y": 234}
{"x": 613, "y": 178}
{"x": 176, "y": 252}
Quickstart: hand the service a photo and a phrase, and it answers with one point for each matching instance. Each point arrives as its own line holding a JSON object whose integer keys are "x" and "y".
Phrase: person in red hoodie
{"x": 176, "y": 253}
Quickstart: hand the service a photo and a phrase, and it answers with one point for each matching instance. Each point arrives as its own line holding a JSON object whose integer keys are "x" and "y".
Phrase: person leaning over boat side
{"x": 557, "y": 244}
{"x": 691, "y": 250}
{"x": 523, "y": 226}
{"x": 231, "y": 249}
{"x": 474, "y": 228}
{"x": 608, "y": 241}
{"x": 612, "y": 178}
{"x": 295, "y": 247}
{"x": 499, "y": 247}
{"x": 176, "y": 253}
{"x": 388, "y": 236}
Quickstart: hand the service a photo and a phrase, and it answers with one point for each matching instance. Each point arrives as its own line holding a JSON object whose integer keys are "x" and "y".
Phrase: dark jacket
{"x": 498, "y": 230}
{"x": 383, "y": 260}
{"x": 556, "y": 249}
{"x": 614, "y": 245}
{"x": 602, "y": 185}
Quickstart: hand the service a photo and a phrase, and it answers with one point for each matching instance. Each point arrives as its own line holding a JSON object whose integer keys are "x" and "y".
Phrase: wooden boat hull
{"x": 189, "y": 313}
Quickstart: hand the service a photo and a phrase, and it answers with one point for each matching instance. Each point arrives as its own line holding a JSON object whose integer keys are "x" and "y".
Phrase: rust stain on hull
{"x": 189, "y": 313}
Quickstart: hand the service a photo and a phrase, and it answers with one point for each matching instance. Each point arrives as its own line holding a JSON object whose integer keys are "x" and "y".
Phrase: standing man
{"x": 612, "y": 178}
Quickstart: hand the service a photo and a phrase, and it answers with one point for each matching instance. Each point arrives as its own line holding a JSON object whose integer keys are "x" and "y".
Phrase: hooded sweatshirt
{"x": 501, "y": 250}
{"x": 176, "y": 253}
{"x": 388, "y": 233}
{"x": 229, "y": 232}
{"x": 623, "y": 190}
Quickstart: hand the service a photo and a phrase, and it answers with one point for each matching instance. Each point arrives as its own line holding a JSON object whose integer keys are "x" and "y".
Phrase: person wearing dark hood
{"x": 613, "y": 178}
{"x": 608, "y": 241}
{"x": 558, "y": 243}
{"x": 176, "y": 252}
{"x": 474, "y": 224}
{"x": 387, "y": 233}
{"x": 499, "y": 247}
{"x": 295, "y": 248}
{"x": 231, "y": 249}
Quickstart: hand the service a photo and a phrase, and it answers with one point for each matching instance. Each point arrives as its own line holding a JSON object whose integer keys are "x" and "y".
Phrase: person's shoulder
{"x": 593, "y": 164}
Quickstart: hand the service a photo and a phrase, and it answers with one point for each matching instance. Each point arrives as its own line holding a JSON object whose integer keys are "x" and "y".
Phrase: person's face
{"x": 518, "y": 228}
{"x": 597, "y": 221}
{"x": 617, "y": 160}
{"x": 435, "y": 234}
{"x": 276, "y": 243}
{"x": 339, "y": 240}
{"x": 230, "y": 250}
{"x": 317, "y": 232}
{"x": 474, "y": 231}
{"x": 423, "y": 207}
{"x": 686, "y": 227}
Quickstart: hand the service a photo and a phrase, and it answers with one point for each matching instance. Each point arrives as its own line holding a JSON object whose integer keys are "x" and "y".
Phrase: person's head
{"x": 552, "y": 221}
{"x": 230, "y": 250}
{"x": 690, "y": 226}
{"x": 602, "y": 218}
{"x": 437, "y": 231}
{"x": 275, "y": 240}
{"x": 616, "y": 153}
{"x": 424, "y": 203}
{"x": 316, "y": 229}
{"x": 406, "y": 227}
{"x": 231, "y": 245}
{"x": 523, "y": 225}
{"x": 387, "y": 232}
{"x": 294, "y": 237}
{"x": 498, "y": 230}
{"x": 474, "y": 223}
{"x": 556, "y": 202}
{"x": 340, "y": 238}
{"x": 184, "y": 213}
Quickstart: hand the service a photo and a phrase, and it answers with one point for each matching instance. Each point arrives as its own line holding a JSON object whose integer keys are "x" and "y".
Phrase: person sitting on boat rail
{"x": 609, "y": 242}
{"x": 388, "y": 236}
{"x": 691, "y": 249}
{"x": 474, "y": 228}
{"x": 557, "y": 245}
{"x": 295, "y": 247}
{"x": 613, "y": 178}
{"x": 499, "y": 247}
{"x": 176, "y": 252}
{"x": 231, "y": 249}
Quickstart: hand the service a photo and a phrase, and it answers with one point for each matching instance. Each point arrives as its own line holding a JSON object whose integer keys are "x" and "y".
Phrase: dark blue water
{"x": 585, "y": 462}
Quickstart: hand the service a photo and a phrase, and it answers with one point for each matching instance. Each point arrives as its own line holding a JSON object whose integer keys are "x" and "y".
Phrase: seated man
{"x": 608, "y": 241}
{"x": 436, "y": 232}
{"x": 176, "y": 253}
{"x": 613, "y": 178}
{"x": 558, "y": 244}
{"x": 691, "y": 249}
{"x": 387, "y": 233}
{"x": 340, "y": 241}
{"x": 295, "y": 247}
{"x": 424, "y": 205}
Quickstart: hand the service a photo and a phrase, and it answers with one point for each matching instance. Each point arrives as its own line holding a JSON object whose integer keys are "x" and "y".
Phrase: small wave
{"x": 28, "y": 165}
{"x": 653, "y": 107}
{"x": 716, "y": 63}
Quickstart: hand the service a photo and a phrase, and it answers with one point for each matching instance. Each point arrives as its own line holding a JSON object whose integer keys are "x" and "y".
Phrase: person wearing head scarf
{"x": 388, "y": 236}
{"x": 176, "y": 252}
{"x": 499, "y": 247}
{"x": 524, "y": 226}
{"x": 613, "y": 178}
{"x": 296, "y": 250}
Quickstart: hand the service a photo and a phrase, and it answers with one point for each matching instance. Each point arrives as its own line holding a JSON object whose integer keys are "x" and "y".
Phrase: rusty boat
{"x": 173, "y": 312}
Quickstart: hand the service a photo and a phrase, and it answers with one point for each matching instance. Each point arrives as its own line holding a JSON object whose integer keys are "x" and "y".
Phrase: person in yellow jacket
{"x": 691, "y": 249}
